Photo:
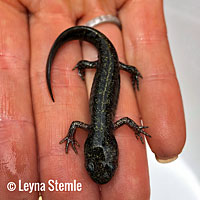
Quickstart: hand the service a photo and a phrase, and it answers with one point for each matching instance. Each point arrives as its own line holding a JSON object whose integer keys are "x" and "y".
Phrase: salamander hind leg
{"x": 70, "y": 136}
{"x": 138, "y": 129}
{"x": 134, "y": 72}
{"x": 84, "y": 64}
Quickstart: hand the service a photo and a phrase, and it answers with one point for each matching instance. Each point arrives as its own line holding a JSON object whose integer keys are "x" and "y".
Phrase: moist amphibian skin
{"x": 100, "y": 149}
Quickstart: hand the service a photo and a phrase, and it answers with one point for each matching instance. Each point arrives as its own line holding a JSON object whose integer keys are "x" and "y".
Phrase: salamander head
{"x": 101, "y": 161}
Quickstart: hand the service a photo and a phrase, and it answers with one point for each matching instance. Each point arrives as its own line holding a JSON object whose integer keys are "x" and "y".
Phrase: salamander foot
{"x": 138, "y": 129}
{"x": 84, "y": 64}
{"x": 70, "y": 136}
{"x": 68, "y": 141}
{"x": 134, "y": 73}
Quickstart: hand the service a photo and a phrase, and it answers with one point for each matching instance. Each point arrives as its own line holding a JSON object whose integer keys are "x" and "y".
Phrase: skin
{"x": 24, "y": 46}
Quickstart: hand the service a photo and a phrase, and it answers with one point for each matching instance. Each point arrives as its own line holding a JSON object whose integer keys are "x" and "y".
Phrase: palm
{"x": 24, "y": 47}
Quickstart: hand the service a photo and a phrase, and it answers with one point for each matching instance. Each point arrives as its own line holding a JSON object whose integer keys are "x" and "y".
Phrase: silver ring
{"x": 104, "y": 19}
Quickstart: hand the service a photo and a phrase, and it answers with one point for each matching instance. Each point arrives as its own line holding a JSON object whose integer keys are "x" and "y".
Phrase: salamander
{"x": 100, "y": 148}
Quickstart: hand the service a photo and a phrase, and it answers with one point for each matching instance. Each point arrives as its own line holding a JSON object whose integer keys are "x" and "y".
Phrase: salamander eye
{"x": 91, "y": 166}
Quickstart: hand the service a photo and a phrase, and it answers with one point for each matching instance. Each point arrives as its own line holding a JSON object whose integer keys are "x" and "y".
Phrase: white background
{"x": 180, "y": 180}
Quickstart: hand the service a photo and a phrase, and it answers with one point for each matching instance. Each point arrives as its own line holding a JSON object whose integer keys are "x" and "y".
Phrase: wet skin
{"x": 100, "y": 149}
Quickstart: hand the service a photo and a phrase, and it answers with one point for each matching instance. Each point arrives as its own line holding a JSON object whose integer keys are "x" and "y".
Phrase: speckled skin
{"x": 100, "y": 149}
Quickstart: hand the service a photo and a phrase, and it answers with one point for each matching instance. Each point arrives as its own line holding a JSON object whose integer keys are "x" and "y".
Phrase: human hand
{"x": 143, "y": 44}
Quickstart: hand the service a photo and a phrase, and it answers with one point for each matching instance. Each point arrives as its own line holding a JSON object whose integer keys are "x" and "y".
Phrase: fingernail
{"x": 168, "y": 160}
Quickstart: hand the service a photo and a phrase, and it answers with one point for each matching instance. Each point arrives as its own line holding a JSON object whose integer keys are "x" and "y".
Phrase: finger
{"x": 159, "y": 99}
{"x": 18, "y": 160}
{"x": 53, "y": 119}
{"x": 132, "y": 172}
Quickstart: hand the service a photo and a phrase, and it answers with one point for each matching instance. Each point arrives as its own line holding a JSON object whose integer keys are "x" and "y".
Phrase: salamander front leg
{"x": 70, "y": 136}
{"x": 138, "y": 129}
{"x": 134, "y": 72}
{"x": 84, "y": 64}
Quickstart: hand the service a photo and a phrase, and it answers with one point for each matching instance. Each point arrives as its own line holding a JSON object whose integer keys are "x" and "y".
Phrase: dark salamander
{"x": 100, "y": 149}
